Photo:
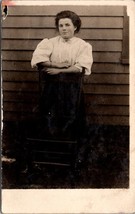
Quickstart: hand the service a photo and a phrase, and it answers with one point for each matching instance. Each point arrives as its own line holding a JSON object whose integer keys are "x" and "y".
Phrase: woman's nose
{"x": 64, "y": 27}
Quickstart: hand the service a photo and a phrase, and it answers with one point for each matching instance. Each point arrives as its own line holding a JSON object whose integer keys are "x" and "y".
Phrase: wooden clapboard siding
{"x": 23, "y": 97}
{"x": 20, "y": 76}
{"x": 90, "y": 99}
{"x": 48, "y": 22}
{"x": 112, "y": 46}
{"x": 16, "y": 65}
{"x": 94, "y": 79}
{"x": 100, "y": 34}
{"x": 20, "y": 86}
{"x": 89, "y": 88}
{"x": 27, "y": 55}
{"x": 106, "y": 89}
{"x": 105, "y": 99}
{"x": 96, "y": 68}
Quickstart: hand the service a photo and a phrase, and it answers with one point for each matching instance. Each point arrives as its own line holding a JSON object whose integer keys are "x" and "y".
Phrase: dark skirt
{"x": 61, "y": 108}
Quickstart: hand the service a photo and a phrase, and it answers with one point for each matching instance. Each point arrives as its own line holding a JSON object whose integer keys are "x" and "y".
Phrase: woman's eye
{"x": 66, "y": 25}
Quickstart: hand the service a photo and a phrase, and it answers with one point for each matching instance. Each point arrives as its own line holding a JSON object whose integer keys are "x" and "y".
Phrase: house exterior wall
{"x": 106, "y": 89}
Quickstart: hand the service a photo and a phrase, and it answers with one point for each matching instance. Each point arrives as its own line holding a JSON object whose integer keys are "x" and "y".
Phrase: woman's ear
{"x": 75, "y": 29}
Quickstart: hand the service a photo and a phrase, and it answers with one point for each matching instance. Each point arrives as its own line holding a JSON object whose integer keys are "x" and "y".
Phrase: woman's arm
{"x": 71, "y": 69}
{"x": 49, "y": 64}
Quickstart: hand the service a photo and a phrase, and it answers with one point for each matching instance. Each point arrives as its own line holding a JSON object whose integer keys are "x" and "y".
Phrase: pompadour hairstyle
{"x": 71, "y": 15}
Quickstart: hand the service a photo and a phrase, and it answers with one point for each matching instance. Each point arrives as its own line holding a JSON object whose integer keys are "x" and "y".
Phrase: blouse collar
{"x": 67, "y": 41}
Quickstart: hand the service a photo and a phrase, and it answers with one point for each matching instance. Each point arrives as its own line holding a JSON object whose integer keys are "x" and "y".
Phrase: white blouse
{"x": 75, "y": 51}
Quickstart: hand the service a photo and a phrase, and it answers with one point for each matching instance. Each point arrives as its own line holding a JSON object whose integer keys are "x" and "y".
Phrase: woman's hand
{"x": 57, "y": 69}
{"x": 53, "y": 71}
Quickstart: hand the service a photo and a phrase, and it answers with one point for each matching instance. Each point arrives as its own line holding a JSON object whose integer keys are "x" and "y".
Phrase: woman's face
{"x": 66, "y": 28}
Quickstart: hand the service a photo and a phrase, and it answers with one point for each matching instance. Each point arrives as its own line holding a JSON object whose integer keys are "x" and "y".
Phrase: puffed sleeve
{"x": 85, "y": 58}
{"x": 42, "y": 52}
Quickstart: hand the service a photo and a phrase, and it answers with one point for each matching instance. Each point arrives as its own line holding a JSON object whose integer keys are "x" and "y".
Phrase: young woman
{"x": 63, "y": 60}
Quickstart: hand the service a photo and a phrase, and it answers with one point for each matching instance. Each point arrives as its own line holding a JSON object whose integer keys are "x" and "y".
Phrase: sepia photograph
{"x": 65, "y": 97}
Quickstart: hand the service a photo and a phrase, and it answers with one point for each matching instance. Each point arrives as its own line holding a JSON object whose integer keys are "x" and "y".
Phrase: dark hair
{"x": 71, "y": 15}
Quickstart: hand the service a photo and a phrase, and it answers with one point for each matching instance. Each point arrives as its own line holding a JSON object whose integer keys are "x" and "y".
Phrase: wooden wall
{"x": 106, "y": 89}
